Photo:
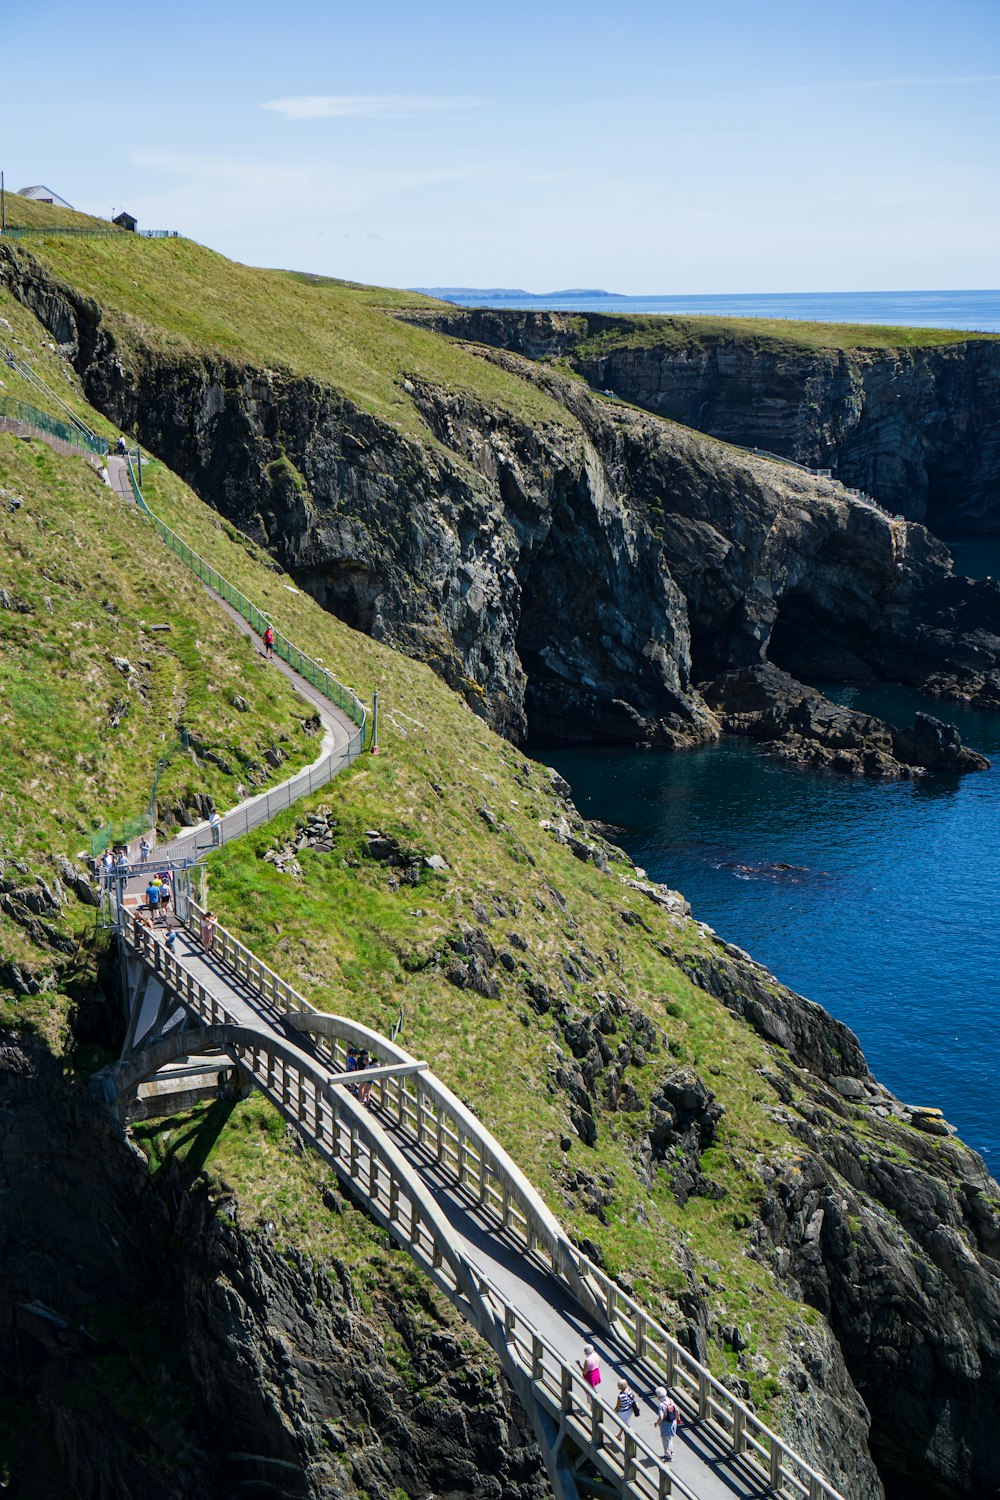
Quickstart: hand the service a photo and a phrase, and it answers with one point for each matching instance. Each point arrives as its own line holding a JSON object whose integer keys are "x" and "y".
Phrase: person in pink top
{"x": 590, "y": 1365}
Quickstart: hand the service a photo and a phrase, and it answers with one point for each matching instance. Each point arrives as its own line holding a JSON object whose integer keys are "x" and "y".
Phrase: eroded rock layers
{"x": 578, "y": 577}
{"x": 913, "y": 426}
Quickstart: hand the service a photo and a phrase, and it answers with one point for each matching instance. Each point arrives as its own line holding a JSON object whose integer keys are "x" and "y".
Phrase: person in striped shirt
{"x": 625, "y": 1405}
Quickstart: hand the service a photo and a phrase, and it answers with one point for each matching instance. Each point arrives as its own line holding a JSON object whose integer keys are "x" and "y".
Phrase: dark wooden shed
{"x": 125, "y": 221}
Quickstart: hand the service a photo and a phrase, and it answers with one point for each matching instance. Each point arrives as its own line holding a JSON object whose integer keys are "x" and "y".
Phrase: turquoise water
{"x": 979, "y": 310}
{"x": 890, "y": 912}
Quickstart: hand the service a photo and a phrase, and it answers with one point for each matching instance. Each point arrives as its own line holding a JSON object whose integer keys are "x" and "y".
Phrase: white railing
{"x": 427, "y": 1111}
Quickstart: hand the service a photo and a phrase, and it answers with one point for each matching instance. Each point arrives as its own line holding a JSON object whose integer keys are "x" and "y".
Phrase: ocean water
{"x": 969, "y": 310}
{"x": 879, "y": 900}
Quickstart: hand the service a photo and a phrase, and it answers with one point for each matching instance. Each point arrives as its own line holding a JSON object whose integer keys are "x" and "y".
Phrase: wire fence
{"x": 34, "y": 232}
{"x": 258, "y": 809}
{"x": 311, "y": 670}
{"x": 22, "y": 414}
{"x": 119, "y": 835}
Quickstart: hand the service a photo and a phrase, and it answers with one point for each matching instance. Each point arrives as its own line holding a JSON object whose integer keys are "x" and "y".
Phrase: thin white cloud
{"x": 357, "y": 106}
{"x": 857, "y": 84}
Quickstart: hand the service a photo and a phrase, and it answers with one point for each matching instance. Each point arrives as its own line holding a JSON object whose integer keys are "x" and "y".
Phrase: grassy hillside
{"x": 92, "y": 695}
{"x": 352, "y": 932}
{"x": 511, "y": 967}
{"x": 177, "y": 296}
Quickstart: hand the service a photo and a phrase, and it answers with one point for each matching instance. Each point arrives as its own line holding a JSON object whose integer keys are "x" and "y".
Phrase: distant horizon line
{"x": 576, "y": 293}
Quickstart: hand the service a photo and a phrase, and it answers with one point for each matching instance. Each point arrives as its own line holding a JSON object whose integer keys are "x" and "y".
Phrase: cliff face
{"x": 915, "y": 428}
{"x": 576, "y": 578}
{"x": 149, "y": 1346}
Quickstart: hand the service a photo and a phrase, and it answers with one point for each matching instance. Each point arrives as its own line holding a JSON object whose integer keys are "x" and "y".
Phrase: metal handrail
{"x": 25, "y": 415}
{"x": 344, "y": 1132}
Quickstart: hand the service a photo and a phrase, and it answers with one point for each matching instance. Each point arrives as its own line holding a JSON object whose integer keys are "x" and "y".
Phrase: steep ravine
{"x": 914, "y": 427}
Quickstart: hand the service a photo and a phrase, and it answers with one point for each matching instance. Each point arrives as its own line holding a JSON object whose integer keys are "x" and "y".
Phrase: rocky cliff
{"x": 915, "y": 427}
{"x": 575, "y": 578}
{"x": 152, "y": 1347}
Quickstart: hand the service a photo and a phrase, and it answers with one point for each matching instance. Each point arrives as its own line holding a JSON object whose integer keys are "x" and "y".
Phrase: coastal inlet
{"x": 879, "y": 899}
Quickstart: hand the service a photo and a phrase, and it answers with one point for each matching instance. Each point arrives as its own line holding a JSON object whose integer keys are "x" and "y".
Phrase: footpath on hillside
{"x": 338, "y": 728}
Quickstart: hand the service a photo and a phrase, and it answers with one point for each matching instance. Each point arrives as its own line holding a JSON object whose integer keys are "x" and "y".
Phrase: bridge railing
{"x": 313, "y": 672}
{"x": 427, "y": 1111}
{"x": 613, "y": 1446}
{"x": 434, "y": 1119}
{"x": 343, "y": 1132}
{"x": 437, "y": 1121}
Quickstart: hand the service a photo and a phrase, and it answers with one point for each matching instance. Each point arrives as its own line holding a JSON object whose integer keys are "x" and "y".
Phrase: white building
{"x": 42, "y": 194}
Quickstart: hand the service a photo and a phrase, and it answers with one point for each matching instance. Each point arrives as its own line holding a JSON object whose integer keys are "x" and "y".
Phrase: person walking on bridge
{"x": 269, "y": 642}
{"x": 153, "y": 898}
{"x": 591, "y": 1366}
{"x": 209, "y": 923}
{"x": 667, "y": 1419}
{"x": 625, "y": 1404}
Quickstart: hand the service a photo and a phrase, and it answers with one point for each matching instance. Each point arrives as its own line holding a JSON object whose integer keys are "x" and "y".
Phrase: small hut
{"x": 125, "y": 221}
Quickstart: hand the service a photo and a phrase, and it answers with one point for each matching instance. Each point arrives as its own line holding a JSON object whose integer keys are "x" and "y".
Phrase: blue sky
{"x": 670, "y": 147}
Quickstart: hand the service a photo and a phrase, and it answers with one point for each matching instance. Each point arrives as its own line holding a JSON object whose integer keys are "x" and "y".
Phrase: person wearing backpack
{"x": 667, "y": 1419}
{"x": 269, "y": 642}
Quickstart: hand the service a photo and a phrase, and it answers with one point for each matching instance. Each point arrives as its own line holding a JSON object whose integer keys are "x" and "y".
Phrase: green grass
{"x": 763, "y": 335}
{"x": 177, "y": 297}
{"x": 80, "y": 736}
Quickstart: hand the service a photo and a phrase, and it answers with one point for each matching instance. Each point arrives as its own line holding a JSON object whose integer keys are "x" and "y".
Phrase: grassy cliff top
{"x": 176, "y": 296}
{"x": 768, "y": 335}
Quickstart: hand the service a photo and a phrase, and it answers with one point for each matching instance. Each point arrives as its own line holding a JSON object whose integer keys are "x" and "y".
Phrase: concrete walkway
{"x": 338, "y": 728}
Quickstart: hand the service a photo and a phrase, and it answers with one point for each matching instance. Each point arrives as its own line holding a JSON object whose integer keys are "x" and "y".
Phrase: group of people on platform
{"x": 158, "y": 895}
{"x": 667, "y": 1415}
{"x": 357, "y": 1061}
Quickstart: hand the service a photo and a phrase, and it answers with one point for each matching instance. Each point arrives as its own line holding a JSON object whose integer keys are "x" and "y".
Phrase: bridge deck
{"x": 526, "y": 1281}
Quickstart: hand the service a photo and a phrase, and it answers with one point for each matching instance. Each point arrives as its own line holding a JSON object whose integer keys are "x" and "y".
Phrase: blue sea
{"x": 889, "y": 914}
{"x": 969, "y": 310}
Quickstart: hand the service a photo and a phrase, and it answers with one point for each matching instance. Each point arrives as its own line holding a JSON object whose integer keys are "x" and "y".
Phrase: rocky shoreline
{"x": 798, "y": 724}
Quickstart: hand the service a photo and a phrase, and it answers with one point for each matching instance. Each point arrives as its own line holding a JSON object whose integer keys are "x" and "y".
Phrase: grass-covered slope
{"x": 177, "y": 296}
{"x": 534, "y": 973}
{"x": 87, "y": 579}
{"x": 108, "y": 649}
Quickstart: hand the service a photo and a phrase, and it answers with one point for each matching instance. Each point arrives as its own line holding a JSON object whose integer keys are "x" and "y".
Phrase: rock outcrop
{"x": 800, "y": 725}
{"x": 151, "y": 1346}
{"x": 915, "y": 427}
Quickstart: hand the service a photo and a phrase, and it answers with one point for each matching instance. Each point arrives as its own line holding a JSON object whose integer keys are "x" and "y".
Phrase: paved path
{"x": 703, "y": 1466}
{"x": 337, "y": 727}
